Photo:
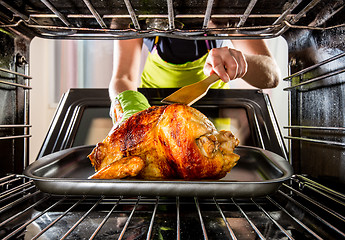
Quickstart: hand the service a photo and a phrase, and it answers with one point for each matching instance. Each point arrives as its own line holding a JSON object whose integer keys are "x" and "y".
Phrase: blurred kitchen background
{"x": 58, "y": 65}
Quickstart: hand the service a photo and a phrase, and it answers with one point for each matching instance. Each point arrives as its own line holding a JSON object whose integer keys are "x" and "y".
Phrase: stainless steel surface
{"x": 208, "y": 11}
{"x": 171, "y": 14}
{"x": 15, "y": 73}
{"x": 15, "y": 126}
{"x": 15, "y": 137}
{"x": 15, "y": 84}
{"x": 95, "y": 14}
{"x": 132, "y": 14}
{"x": 316, "y": 79}
{"x": 246, "y": 14}
{"x": 332, "y": 130}
{"x": 318, "y": 128}
{"x": 302, "y": 209}
{"x": 332, "y": 143}
{"x": 258, "y": 173}
{"x": 56, "y": 12}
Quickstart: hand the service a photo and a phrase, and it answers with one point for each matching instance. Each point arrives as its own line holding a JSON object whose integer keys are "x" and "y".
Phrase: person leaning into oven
{"x": 174, "y": 63}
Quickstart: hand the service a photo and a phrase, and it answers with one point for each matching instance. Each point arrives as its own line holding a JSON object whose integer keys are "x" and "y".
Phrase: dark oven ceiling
{"x": 174, "y": 18}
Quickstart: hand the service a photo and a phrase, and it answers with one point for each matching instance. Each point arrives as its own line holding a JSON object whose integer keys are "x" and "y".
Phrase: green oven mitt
{"x": 126, "y": 104}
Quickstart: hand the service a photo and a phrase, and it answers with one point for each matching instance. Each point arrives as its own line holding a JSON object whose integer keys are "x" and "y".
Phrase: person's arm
{"x": 251, "y": 60}
{"x": 126, "y": 66}
{"x": 125, "y": 99}
{"x": 262, "y": 72}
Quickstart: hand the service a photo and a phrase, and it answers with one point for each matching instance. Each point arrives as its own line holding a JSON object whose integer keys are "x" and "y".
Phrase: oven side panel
{"x": 14, "y": 95}
{"x": 317, "y": 101}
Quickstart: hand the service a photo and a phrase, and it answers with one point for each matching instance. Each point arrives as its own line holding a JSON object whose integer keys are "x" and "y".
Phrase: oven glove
{"x": 126, "y": 104}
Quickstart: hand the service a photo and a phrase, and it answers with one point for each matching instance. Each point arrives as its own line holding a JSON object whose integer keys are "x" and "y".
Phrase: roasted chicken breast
{"x": 166, "y": 142}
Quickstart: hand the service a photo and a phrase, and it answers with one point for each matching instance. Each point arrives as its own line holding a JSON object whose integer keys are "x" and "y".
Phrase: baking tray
{"x": 258, "y": 173}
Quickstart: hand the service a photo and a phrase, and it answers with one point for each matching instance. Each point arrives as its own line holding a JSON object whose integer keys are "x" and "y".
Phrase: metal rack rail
{"x": 279, "y": 22}
{"x": 302, "y": 79}
{"x": 26, "y": 87}
{"x": 300, "y": 75}
{"x": 20, "y": 130}
{"x": 301, "y": 208}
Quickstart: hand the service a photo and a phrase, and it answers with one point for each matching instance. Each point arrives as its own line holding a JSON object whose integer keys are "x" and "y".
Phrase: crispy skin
{"x": 174, "y": 141}
{"x": 128, "y": 166}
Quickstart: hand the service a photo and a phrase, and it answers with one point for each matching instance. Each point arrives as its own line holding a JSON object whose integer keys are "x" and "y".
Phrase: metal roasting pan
{"x": 258, "y": 173}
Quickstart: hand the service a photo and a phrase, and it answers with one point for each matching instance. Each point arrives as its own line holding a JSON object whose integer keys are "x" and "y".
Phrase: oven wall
{"x": 14, "y": 122}
{"x": 317, "y": 108}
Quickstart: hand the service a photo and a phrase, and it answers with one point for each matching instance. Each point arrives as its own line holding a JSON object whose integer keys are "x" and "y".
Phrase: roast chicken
{"x": 165, "y": 142}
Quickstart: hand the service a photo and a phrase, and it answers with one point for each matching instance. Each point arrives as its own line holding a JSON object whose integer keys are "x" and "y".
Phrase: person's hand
{"x": 126, "y": 104}
{"x": 227, "y": 63}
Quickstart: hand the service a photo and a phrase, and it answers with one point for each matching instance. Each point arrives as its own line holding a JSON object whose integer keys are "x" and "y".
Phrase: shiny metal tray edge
{"x": 272, "y": 168}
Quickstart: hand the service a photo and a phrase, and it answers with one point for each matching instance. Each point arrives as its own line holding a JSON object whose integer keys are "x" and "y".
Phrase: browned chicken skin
{"x": 166, "y": 142}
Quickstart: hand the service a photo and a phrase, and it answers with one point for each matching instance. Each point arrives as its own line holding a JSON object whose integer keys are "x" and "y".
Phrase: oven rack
{"x": 19, "y": 127}
{"x": 310, "y": 79}
{"x": 302, "y": 208}
{"x": 52, "y": 20}
{"x": 300, "y": 78}
{"x": 13, "y": 82}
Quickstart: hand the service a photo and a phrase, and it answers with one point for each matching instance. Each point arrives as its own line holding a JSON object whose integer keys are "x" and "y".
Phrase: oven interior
{"x": 309, "y": 206}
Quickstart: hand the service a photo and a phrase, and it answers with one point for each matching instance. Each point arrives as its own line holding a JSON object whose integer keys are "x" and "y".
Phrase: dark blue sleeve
{"x": 149, "y": 42}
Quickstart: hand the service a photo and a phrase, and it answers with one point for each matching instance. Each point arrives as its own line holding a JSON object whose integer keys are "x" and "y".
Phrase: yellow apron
{"x": 158, "y": 73}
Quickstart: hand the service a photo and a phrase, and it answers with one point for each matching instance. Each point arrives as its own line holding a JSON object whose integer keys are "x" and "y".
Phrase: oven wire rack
{"x": 169, "y": 24}
{"x": 300, "y": 208}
